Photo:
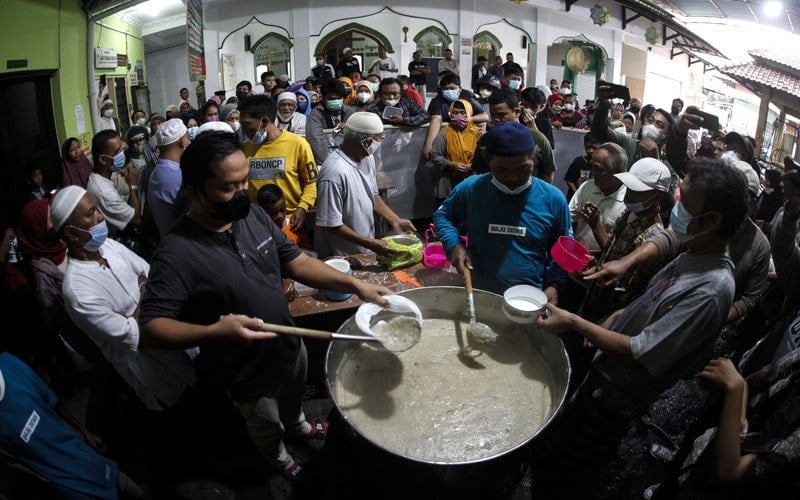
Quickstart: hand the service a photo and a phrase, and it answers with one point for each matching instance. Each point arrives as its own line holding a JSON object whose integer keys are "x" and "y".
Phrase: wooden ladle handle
{"x": 468, "y": 279}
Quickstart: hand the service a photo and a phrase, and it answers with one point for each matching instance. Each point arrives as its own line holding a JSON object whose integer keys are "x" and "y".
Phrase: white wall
{"x": 167, "y": 73}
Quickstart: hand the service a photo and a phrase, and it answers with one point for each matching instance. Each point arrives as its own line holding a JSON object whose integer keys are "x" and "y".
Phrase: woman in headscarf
{"x": 364, "y": 95}
{"x": 452, "y": 150}
{"x": 75, "y": 167}
{"x": 553, "y": 111}
{"x": 303, "y": 101}
{"x": 349, "y": 94}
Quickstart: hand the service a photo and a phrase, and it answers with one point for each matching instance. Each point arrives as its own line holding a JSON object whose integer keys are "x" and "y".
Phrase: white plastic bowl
{"x": 523, "y": 303}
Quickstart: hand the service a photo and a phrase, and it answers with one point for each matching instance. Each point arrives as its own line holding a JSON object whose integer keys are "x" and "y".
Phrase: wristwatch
{"x": 133, "y": 188}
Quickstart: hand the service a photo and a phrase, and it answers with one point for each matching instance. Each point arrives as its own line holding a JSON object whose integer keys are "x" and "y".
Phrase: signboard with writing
{"x": 105, "y": 58}
{"x": 194, "y": 40}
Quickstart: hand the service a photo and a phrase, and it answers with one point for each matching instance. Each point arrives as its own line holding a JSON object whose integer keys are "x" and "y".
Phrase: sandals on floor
{"x": 319, "y": 430}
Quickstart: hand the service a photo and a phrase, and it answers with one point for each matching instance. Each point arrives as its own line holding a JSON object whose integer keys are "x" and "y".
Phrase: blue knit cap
{"x": 509, "y": 139}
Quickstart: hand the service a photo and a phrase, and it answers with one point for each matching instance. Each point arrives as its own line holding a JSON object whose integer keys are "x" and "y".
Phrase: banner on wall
{"x": 194, "y": 40}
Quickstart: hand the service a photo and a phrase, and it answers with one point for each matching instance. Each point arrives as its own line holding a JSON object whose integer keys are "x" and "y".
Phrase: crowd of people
{"x": 156, "y": 265}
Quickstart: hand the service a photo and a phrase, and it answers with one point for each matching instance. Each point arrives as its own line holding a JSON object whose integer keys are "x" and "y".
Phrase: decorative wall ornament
{"x": 652, "y": 35}
{"x": 576, "y": 60}
{"x": 600, "y": 14}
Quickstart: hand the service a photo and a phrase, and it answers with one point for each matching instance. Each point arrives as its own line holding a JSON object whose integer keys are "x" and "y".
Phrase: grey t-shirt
{"x": 345, "y": 195}
{"x": 682, "y": 310}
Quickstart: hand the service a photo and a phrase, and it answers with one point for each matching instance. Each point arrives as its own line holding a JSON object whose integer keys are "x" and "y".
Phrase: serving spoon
{"x": 397, "y": 337}
{"x": 480, "y": 336}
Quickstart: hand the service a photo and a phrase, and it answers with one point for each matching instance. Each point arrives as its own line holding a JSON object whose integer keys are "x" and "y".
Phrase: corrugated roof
{"x": 764, "y": 75}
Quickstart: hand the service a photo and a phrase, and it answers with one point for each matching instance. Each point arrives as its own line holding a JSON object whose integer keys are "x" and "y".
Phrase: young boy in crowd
{"x": 270, "y": 198}
{"x": 580, "y": 170}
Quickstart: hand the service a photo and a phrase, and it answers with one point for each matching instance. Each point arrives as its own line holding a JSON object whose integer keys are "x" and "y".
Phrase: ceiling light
{"x": 773, "y": 8}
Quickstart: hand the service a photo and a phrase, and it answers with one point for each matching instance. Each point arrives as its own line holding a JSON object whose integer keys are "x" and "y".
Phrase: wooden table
{"x": 365, "y": 267}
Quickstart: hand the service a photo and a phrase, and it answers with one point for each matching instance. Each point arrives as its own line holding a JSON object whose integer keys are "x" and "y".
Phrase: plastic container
{"x": 343, "y": 266}
{"x": 433, "y": 256}
{"x": 570, "y": 254}
{"x": 523, "y": 303}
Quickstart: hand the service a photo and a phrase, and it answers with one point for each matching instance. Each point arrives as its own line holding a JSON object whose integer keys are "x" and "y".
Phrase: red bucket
{"x": 570, "y": 254}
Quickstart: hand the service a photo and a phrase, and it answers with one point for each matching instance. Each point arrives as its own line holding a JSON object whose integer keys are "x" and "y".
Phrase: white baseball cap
{"x": 645, "y": 175}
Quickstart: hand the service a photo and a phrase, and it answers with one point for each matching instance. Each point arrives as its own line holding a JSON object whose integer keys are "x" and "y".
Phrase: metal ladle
{"x": 480, "y": 337}
{"x": 394, "y": 343}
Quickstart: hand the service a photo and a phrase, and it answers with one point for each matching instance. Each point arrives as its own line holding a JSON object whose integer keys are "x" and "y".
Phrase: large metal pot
{"x": 536, "y": 357}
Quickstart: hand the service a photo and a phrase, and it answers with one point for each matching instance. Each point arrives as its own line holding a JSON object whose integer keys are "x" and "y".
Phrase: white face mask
{"x": 506, "y": 190}
{"x": 391, "y": 102}
{"x": 235, "y": 126}
{"x": 108, "y": 113}
{"x": 569, "y": 107}
{"x": 140, "y": 122}
{"x": 651, "y": 132}
{"x": 372, "y": 148}
{"x": 485, "y": 93}
{"x": 565, "y": 91}
{"x": 363, "y": 97}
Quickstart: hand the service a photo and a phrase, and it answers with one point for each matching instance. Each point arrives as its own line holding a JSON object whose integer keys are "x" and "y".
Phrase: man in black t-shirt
{"x": 348, "y": 64}
{"x": 418, "y": 71}
{"x": 215, "y": 281}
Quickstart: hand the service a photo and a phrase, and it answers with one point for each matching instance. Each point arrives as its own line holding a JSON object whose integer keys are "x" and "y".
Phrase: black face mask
{"x": 234, "y": 209}
{"x": 240, "y": 95}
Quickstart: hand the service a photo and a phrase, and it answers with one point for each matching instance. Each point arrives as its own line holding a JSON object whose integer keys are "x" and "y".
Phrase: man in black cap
{"x": 743, "y": 147}
{"x": 512, "y": 218}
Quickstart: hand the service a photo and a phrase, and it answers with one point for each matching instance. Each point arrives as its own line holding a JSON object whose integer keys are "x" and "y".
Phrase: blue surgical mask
{"x": 192, "y": 132}
{"x": 334, "y": 104}
{"x": 99, "y": 234}
{"x": 375, "y": 86}
{"x": 301, "y": 106}
{"x": 679, "y": 221}
{"x": 450, "y": 95}
{"x": 119, "y": 161}
{"x": 259, "y": 137}
{"x": 637, "y": 207}
{"x": 506, "y": 190}
{"x": 513, "y": 84}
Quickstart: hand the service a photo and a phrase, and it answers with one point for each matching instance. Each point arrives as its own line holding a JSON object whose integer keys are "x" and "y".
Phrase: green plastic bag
{"x": 409, "y": 251}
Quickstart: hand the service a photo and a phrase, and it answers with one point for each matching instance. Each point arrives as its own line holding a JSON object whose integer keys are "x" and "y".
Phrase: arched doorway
{"x": 272, "y": 52}
{"x": 363, "y": 40}
{"x": 487, "y": 45}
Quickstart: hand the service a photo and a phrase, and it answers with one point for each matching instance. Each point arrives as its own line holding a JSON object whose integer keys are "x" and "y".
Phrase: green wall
{"x": 54, "y": 40}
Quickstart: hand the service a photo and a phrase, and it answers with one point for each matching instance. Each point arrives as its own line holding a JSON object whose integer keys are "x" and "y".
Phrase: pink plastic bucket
{"x": 433, "y": 256}
{"x": 569, "y": 254}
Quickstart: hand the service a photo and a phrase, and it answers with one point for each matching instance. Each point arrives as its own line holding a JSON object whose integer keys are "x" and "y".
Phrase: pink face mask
{"x": 459, "y": 121}
{"x": 212, "y": 118}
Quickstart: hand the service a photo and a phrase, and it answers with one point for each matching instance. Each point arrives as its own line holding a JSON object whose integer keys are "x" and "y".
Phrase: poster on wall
{"x": 228, "y": 65}
{"x": 194, "y": 40}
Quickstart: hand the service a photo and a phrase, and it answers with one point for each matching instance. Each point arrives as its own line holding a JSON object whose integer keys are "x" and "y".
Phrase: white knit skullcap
{"x": 63, "y": 204}
{"x": 365, "y": 122}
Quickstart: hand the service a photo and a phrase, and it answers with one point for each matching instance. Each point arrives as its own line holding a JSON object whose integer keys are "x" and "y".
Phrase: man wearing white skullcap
{"x": 165, "y": 183}
{"x": 347, "y": 194}
{"x": 287, "y": 117}
{"x": 102, "y": 285}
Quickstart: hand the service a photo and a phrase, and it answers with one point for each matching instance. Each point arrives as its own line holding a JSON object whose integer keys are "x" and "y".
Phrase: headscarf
{"x": 348, "y": 84}
{"x": 461, "y": 144}
{"x": 303, "y": 92}
{"x": 32, "y": 233}
{"x": 74, "y": 173}
{"x": 312, "y": 93}
{"x": 550, "y": 100}
{"x": 367, "y": 85}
